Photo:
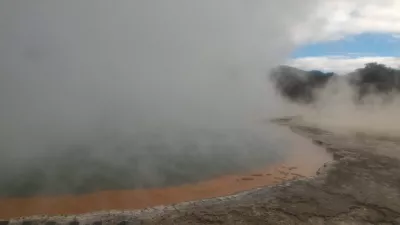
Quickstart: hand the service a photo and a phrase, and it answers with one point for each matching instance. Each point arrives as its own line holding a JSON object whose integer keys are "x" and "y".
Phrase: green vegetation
{"x": 300, "y": 86}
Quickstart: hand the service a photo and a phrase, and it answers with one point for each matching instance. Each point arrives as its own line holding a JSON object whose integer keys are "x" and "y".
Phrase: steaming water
{"x": 141, "y": 161}
{"x": 125, "y": 94}
{"x": 303, "y": 158}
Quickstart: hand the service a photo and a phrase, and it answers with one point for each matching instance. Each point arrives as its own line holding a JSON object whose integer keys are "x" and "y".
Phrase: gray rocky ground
{"x": 360, "y": 186}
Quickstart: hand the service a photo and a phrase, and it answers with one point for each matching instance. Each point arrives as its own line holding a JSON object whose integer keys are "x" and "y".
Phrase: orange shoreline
{"x": 300, "y": 163}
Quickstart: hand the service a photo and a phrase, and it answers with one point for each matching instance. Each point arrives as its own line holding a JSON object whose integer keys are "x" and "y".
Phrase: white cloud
{"x": 338, "y": 19}
{"x": 341, "y": 64}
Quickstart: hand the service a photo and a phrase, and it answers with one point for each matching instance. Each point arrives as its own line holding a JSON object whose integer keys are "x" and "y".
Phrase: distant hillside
{"x": 300, "y": 86}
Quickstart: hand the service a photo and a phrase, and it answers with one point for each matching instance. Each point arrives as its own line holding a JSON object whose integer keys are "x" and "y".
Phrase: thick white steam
{"x": 100, "y": 72}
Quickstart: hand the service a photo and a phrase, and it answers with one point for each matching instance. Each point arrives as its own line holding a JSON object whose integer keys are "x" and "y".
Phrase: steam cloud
{"x": 103, "y": 74}
{"x": 337, "y": 110}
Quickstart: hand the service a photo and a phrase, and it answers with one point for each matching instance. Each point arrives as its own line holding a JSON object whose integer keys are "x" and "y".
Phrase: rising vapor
{"x": 109, "y": 78}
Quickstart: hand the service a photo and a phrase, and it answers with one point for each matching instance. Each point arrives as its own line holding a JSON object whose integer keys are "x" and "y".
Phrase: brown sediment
{"x": 304, "y": 160}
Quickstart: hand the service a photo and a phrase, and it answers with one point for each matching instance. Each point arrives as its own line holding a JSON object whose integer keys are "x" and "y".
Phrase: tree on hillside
{"x": 299, "y": 85}
{"x": 375, "y": 78}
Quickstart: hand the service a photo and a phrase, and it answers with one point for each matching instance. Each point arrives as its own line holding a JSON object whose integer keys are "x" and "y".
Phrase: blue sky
{"x": 348, "y": 53}
{"x": 366, "y": 44}
{"x": 345, "y": 35}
